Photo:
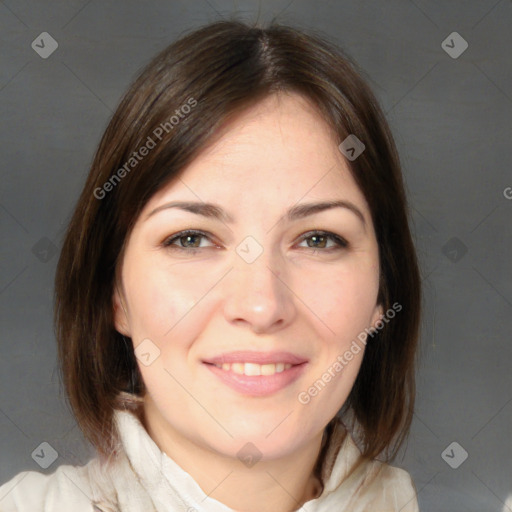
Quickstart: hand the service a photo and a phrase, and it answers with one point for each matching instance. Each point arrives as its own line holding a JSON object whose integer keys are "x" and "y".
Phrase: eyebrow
{"x": 300, "y": 211}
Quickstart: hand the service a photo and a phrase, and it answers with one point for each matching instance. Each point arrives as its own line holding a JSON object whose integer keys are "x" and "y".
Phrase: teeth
{"x": 268, "y": 369}
{"x": 237, "y": 367}
{"x": 252, "y": 369}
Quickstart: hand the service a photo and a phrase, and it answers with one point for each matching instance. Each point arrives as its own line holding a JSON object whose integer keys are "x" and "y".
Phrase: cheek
{"x": 159, "y": 300}
{"x": 345, "y": 300}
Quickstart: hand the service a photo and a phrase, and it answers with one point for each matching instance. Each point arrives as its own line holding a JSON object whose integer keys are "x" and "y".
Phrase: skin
{"x": 311, "y": 300}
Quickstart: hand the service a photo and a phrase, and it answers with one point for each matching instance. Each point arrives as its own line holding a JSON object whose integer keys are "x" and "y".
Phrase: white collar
{"x": 150, "y": 480}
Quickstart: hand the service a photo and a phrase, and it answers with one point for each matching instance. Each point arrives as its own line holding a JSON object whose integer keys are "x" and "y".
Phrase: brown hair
{"x": 225, "y": 67}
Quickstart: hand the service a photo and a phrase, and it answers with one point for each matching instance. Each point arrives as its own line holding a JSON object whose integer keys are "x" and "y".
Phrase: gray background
{"x": 451, "y": 119}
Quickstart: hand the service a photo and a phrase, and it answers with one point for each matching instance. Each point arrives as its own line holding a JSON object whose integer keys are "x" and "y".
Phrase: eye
{"x": 188, "y": 240}
{"x": 319, "y": 240}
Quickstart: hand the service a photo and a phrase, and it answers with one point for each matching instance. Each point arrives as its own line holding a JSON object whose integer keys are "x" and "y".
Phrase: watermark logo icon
{"x": 44, "y": 249}
{"x": 249, "y": 249}
{"x": 45, "y": 455}
{"x": 454, "y": 249}
{"x": 351, "y": 147}
{"x": 249, "y": 455}
{"x": 454, "y": 45}
{"x": 44, "y": 45}
{"x": 147, "y": 352}
{"x": 454, "y": 455}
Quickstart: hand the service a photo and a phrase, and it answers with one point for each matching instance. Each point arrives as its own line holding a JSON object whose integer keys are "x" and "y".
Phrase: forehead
{"x": 279, "y": 150}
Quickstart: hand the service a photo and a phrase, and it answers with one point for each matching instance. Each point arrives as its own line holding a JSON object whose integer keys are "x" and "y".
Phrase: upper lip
{"x": 251, "y": 356}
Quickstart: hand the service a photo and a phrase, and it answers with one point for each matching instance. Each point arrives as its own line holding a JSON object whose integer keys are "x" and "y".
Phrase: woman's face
{"x": 257, "y": 287}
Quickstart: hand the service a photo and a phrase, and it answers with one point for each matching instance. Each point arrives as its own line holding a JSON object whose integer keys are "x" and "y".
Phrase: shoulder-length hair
{"x": 173, "y": 108}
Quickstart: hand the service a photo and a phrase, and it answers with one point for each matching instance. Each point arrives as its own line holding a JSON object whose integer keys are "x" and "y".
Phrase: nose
{"x": 257, "y": 295}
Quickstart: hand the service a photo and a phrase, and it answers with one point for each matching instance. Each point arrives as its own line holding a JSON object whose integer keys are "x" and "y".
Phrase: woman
{"x": 238, "y": 296}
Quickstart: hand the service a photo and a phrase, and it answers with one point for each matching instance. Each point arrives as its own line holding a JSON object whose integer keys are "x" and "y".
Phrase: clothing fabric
{"x": 142, "y": 478}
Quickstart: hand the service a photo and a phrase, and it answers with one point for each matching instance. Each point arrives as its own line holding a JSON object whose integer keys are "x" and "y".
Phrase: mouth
{"x": 257, "y": 373}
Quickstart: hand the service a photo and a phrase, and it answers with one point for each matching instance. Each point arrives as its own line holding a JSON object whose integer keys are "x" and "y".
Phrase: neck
{"x": 282, "y": 484}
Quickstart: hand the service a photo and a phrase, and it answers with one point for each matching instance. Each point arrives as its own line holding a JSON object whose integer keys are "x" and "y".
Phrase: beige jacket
{"x": 144, "y": 479}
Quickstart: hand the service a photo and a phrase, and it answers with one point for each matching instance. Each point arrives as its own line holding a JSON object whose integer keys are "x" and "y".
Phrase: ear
{"x": 120, "y": 316}
{"x": 378, "y": 313}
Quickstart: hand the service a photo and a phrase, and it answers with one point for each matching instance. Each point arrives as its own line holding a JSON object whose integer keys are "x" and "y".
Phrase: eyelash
{"x": 340, "y": 242}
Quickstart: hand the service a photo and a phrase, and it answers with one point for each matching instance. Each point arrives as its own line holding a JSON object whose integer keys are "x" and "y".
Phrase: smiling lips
{"x": 257, "y": 373}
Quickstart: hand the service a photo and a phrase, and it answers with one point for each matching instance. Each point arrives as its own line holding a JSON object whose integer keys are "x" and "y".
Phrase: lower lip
{"x": 258, "y": 385}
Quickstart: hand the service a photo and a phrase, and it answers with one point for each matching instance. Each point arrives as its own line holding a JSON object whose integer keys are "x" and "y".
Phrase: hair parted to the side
{"x": 225, "y": 67}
